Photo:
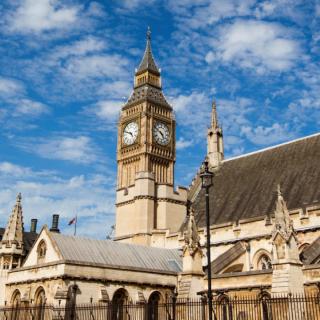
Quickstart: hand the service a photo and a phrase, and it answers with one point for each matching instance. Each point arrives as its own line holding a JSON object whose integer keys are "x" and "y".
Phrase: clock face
{"x": 130, "y": 133}
{"x": 161, "y": 133}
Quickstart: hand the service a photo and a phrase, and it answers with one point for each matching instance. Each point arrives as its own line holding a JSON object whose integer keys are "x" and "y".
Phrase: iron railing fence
{"x": 293, "y": 307}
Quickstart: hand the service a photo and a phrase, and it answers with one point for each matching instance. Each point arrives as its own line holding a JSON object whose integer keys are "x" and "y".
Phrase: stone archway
{"x": 39, "y": 302}
{"x": 119, "y": 301}
{"x": 153, "y": 306}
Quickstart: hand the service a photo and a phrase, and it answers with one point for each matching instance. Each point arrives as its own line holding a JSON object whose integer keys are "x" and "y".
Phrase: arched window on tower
{"x": 41, "y": 251}
{"x": 264, "y": 262}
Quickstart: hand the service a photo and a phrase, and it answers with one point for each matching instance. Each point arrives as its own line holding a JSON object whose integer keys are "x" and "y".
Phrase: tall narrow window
{"x": 41, "y": 251}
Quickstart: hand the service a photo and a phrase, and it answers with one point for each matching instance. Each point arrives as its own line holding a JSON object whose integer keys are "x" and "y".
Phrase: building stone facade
{"x": 264, "y": 210}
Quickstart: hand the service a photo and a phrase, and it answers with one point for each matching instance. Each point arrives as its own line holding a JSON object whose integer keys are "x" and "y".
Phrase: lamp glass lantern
{"x": 206, "y": 176}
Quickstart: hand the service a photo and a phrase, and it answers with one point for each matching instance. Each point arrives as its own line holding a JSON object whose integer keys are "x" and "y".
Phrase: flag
{"x": 72, "y": 221}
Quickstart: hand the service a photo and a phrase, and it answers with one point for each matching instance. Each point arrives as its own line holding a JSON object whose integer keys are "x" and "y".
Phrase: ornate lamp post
{"x": 206, "y": 180}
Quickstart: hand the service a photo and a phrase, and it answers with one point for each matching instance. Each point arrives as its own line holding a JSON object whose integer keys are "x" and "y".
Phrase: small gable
{"x": 43, "y": 250}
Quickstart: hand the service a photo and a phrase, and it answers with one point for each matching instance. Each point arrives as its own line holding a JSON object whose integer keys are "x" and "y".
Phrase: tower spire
{"x": 214, "y": 117}
{"x": 147, "y": 63}
{"x": 14, "y": 229}
{"x": 215, "y": 151}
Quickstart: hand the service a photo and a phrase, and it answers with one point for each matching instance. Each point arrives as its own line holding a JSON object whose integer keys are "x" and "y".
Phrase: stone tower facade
{"x": 12, "y": 244}
{"x": 215, "y": 150}
{"x": 287, "y": 268}
{"x": 146, "y": 200}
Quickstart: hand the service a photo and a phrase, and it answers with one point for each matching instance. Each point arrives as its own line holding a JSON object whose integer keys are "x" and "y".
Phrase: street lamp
{"x": 206, "y": 182}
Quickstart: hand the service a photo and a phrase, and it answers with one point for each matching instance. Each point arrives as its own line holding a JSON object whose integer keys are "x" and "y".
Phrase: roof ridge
{"x": 108, "y": 241}
{"x": 271, "y": 147}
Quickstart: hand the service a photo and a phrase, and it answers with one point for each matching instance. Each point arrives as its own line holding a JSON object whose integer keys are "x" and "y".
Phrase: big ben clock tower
{"x": 147, "y": 204}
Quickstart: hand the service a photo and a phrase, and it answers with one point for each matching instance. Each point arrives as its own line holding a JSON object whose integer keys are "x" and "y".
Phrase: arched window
{"x": 41, "y": 251}
{"x": 264, "y": 262}
{"x": 15, "y": 303}
{"x": 119, "y": 301}
{"x": 40, "y": 301}
{"x": 153, "y": 306}
{"x": 16, "y": 298}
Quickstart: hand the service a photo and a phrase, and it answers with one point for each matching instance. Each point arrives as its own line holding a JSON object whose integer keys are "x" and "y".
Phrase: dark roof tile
{"x": 244, "y": 187}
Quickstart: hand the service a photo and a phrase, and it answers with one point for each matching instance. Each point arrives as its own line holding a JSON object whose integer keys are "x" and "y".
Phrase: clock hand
{"x": 161, "y": 134}
{"x": 129, "y": 133}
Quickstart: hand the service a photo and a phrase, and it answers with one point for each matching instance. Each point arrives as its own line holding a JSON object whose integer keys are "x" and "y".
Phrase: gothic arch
{"x": 16, "y": 298}
{"x": 40, "y": 297}
{"x": 41, "y": 251}
{"x": 154, "y": 294}
{"x": 258, "y": 257}
{"x": 119, "y": 300}
{"x": 153, "y": 305}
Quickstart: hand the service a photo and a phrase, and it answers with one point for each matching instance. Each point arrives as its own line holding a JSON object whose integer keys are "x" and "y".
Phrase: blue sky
{"x": 66, "y": 67}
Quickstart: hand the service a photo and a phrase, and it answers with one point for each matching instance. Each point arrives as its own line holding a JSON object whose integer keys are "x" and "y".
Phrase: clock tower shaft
{"x": 147, "y": 203}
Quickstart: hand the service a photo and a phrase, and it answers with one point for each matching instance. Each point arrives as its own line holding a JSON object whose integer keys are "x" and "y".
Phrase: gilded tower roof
{"x": 14, "y": 230}
{"x": 147, "y": 63}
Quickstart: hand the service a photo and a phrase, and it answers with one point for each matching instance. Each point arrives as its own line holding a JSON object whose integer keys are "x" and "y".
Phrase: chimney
{"x": 33, "y": 227}
{"x": 55, "y": 223}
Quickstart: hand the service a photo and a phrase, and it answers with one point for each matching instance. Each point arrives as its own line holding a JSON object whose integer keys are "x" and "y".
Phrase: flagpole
{"x": 75, "y": 225}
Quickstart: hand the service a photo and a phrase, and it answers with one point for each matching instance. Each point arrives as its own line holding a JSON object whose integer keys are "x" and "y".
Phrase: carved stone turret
{"x": 13, "y": 235}
{"x": 287, "y": 268}
{"x": 11, "y": 245}
{"x": 215, "y": 150}
{"x": 192, "y": 276}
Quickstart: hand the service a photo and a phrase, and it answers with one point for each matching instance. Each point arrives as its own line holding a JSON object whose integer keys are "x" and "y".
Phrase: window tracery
{"x": 264, "y": 263}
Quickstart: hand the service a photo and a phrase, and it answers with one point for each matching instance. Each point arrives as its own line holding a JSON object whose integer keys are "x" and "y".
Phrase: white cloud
{"x": 182, "y": 143}
{"x": 111, "y": 66}
{"x": 45, "y": 195}
{"x": 203, "y": 13}
{"x": 79, "y": 150}
{"x": 42, "y": 15}
{"x": 116, "y": 89}
{"x": 108, "y": 109}
{"x": 10, "y": 87}
{"x": 83, "y": 47}
{"x": 256, "y": 45}
{"x": 268, "y": 135}
{"x": 26, "y": 107}
{"x": 7, "y": 168}
{"x": 193, "y": 113}
{"x": 134, "y": 4}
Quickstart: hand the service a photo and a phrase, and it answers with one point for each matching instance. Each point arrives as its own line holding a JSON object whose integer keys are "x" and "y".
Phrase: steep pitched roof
{"x": 115, "y": 254}
{"x": 245, "y": 187}
{"x": 227, "y": 257}
{"x": 311, "y": 254}
{"x": 149, "y": 93}
{"x": 147, "y": 63}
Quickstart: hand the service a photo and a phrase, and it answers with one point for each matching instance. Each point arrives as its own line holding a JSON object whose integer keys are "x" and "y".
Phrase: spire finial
{"x": 19, "y": 197}
{"x": 279, "y": 191}
{"x": 214, "y": 117}
{"x": 149, "y": 33}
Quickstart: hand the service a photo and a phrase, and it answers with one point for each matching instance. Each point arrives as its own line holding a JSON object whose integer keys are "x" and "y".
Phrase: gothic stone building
{"x": 264, "y": 210}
